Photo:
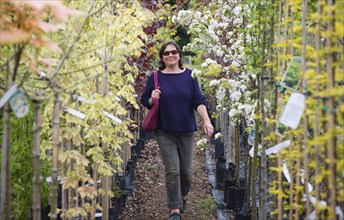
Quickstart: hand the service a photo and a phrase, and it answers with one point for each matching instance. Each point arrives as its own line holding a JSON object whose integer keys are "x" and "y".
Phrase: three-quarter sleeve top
{"x": 180, "y": 96}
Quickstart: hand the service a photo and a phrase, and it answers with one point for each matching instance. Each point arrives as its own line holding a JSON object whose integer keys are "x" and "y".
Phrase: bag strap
{"x": 156, "y": 86}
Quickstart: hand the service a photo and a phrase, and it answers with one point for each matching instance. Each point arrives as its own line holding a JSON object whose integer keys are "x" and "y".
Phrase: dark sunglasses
{"x": 173, "y": 52}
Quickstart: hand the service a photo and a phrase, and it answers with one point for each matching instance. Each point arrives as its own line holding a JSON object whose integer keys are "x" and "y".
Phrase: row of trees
{"x": 243, "y": 52}
{"x": 79, "y": 64}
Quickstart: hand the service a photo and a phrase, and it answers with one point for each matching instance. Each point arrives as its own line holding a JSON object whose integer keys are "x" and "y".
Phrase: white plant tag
{"x": 251, "y": 137}
{"x": 19, "y": 104}
{"x": 286, "y": 171}
{"x": 251, "y": 152}
{"x": 313, "y": 200}
{"x": 339, "y": 212}
{"x": 302, "y": 174}
{"x": 111, "y": 116}
{"x": 293, "y": 111}
{"x": 82, "y": 99}
{"x": 277, "y": 147}
{"x": 8, "y": 94}
{"x": 76, "y": 113}
{"x": 311, "y": 216}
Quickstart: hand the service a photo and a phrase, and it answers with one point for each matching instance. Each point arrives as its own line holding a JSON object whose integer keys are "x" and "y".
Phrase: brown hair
{"x": 162, "y": 65}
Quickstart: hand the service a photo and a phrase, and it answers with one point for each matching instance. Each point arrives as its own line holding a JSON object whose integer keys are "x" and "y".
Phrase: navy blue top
{"x": 180, "y": 96}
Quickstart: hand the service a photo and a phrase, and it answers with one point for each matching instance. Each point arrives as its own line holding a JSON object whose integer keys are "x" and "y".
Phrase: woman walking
{"x": 179, "y": 96}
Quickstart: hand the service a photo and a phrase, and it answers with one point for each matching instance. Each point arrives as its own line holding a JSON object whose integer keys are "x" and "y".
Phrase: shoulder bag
{"x": 150, "y": 123}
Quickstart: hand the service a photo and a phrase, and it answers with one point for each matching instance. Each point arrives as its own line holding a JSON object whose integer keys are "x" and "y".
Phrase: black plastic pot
{"x": 133, "y": 154}
{"x": 129, "y": 176}
{"x": 114, "y": 213}
{"x": 140, "y": 146}
{"x": 242, "y": 217}
{"x": 226, "y": 185}
{"x": 220, "y": 172}
{"x": 235, "y": 198}
{"x": 219, "y": 150}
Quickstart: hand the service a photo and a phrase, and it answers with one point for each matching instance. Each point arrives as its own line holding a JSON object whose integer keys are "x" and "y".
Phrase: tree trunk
{"x": 36, "y": 206}
{"x": 263, "y": 178}
{"x": 105, "y": 179}
{"x": 5, "y": 164}
{"x": 55, "y": 148}
{"x": 254, "y": 171}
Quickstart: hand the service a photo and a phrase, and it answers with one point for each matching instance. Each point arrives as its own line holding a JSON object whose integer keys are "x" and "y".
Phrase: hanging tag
{"x": 286, "y": 171}
{"x": 251, "y": 152}
{"x": 8, "y": 95}
{"x": 292, "y": 76}
{"x": 251, "y": 136}
{"x": 277, "y": 147}
{"x": 19, "y": 104}
{"x": 76, "y": 113}
{"x": 293, "y": 111}
{"x": 111, "y": 116}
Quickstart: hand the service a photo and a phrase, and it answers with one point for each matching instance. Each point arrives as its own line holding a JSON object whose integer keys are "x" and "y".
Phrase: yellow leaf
{"x": 87, "y": 191}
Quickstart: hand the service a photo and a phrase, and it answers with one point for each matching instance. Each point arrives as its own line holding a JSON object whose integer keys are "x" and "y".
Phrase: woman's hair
{"x": 162, "y": 65}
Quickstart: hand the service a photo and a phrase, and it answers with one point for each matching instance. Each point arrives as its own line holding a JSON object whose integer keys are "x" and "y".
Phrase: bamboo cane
{"x": 291, "y": 185}
{"x": 298, "y": 195}
{"x": 263, "y": 133}
{"x": 317, "y": 113}
{"x": 305, "y": 120}
{"x": 280, "y": 67}
{"x": 280, "y": 188}
{"x": 331, "y": 122}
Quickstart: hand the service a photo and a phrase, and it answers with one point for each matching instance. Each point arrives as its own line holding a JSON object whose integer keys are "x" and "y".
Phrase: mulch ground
{"x": 149, "y": 196}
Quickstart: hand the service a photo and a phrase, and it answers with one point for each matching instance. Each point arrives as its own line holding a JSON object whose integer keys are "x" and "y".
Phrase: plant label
{"x": 19, "y": 104}
{"x": 76, "y": 113}
{"x": 278, "y": 147}
{"x": 251, "y": 152}
{"x": 293, "y": 111}
{"x": 292, "y": 76}
{"x": 251, "y": 137}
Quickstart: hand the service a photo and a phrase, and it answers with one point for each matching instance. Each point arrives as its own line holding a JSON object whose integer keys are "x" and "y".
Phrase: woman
{"x": 179, "y": 96}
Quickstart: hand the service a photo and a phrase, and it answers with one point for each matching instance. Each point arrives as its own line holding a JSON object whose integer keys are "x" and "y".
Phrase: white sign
{"x": 293, "y": 111}
{"x": 76, "y": 113}
{"x": 111, "y": 116}
{"x": 278, "y": 147}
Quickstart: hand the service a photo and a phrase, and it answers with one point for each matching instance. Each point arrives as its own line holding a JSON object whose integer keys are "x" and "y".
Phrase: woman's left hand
{"x": 208, "y": 128}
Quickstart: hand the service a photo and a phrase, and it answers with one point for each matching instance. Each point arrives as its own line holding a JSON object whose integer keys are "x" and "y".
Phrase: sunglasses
{"x": 173, "y": 52}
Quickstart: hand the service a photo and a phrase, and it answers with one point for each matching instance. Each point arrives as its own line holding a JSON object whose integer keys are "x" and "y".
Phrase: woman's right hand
{"x": 155, "y": 94}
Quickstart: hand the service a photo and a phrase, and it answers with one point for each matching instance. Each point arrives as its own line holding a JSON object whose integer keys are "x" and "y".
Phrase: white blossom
{"x": 233, "y": 112}
{"x": 213, "y": 82}
{"x": 220, "y": 93}
{"x": 195, "y": 73}
{"x": 218, "y": 135}
{"x": 202, "y": 142}
{"x": 235, "y": 96}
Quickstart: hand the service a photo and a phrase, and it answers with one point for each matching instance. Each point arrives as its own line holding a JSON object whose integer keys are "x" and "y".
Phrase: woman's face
{"x": 171, "y": 56}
